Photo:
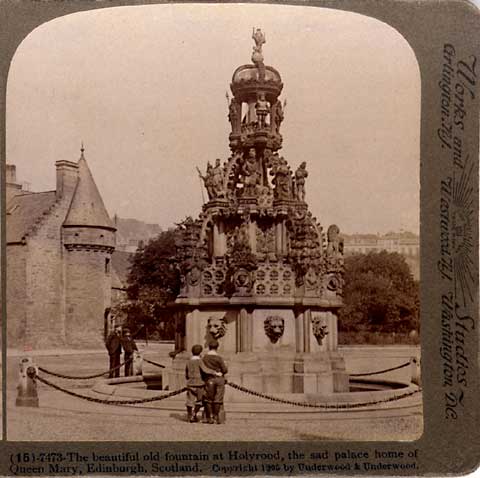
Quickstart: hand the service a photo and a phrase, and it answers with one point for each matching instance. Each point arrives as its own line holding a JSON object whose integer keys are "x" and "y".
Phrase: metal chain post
{"x": 27, "y": 395}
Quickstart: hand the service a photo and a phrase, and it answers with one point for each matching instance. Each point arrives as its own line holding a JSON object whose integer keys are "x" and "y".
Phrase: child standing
{"x": 195, "y": 384}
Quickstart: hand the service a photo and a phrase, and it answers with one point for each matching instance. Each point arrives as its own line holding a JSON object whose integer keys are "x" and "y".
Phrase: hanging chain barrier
{"x": 110, "y": 402}
{"x": 97, "y": 375}
{"x": 325, "y": 406}
{"x": 154, "y": 363}
{"x": 83, "y": 377}
{"x": 406, "y": 364}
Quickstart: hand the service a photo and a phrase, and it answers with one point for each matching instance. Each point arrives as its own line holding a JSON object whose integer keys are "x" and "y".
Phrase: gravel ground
{"x": 64, "y": 418}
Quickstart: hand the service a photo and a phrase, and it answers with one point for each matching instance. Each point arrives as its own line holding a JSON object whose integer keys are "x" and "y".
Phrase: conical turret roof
{"x": 87, "y": 207}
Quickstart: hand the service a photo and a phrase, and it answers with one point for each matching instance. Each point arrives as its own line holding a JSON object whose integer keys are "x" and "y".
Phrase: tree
{"x": 380, "y": 294}
{"x": 153, "y": 276}
{"x": 153, "y": 282}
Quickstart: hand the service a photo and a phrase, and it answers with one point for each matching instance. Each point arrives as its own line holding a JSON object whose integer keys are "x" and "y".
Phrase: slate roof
{"x": 22, "y": 212}
{"x": 87, "y": 207}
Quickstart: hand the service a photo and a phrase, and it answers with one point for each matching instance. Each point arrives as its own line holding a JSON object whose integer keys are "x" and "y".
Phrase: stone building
{"x": 404, "y": 243}
{"x": 59, "y": 261}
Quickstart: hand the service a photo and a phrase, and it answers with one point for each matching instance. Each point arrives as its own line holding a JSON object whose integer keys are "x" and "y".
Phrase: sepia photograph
{"x": 213, "y": 227}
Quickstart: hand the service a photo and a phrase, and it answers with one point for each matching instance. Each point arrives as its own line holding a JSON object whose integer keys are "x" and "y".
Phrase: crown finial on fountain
{"x": 259, "y": 38}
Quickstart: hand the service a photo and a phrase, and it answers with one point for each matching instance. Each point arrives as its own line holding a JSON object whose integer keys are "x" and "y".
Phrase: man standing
{"x": 114, "y": 347}
{"x": 129, "y": 347}
{"x": 214, "y": 383}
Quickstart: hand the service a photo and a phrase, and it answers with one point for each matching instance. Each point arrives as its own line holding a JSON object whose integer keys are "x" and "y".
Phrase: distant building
{"x": 131, "y": 233}
{"x": 60, "y": 253}
{"x": 405, "y": 243}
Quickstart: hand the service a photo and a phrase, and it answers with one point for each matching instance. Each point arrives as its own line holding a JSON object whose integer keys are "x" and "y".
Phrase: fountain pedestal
{"x": 268, "y": 350}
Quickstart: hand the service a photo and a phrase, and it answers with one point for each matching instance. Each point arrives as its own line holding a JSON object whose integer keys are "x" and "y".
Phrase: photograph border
{"x": 439, "y": 33}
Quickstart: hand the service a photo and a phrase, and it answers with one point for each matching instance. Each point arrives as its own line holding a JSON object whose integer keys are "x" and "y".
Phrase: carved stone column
{"x": 252, "y": 112}
{"x": 307, "y": 319}
{"x": 299, "y": 342}
{"x": 278, "y": 238}
{"x": 239, "y": 332}
{"x": 249, "y": 331}
{"x": 179, "y": 332}
{"x": 252, "y": 235}
{"x": 222, "y": 238}
{"x": 334, "y": 331}
{"x": 216, "y": 241}
{"x": 284, "y": 238}
{"x": 193, "y": 333}
{"x": 244, "y": 319}
{"x": 244, "y": 342}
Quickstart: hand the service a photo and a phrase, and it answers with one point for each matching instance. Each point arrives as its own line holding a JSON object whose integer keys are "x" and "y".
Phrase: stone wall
{"x": 88, "y": 285}
{"x": 91, "y": 236}
{"x": 45, "y": 298}
{"x": 16, "y": 284}
{"x": 373, "y": 358}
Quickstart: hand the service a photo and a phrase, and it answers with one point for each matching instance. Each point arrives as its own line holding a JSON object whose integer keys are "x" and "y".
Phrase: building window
{"x": 107, "y": 265}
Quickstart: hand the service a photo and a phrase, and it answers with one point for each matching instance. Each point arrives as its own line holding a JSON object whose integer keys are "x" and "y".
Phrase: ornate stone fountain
{"x": 257, "y": 271}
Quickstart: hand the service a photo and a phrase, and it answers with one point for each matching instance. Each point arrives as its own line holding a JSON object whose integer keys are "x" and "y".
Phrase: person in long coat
{"x": 114, "y": 347}
{"x": 129, "y": 347}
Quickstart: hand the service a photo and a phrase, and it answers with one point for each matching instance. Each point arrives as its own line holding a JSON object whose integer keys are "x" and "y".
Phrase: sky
{"x": 144, "y": 88}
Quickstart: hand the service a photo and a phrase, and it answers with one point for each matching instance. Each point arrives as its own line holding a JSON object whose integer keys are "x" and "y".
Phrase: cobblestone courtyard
{"x": 64, "y": 418}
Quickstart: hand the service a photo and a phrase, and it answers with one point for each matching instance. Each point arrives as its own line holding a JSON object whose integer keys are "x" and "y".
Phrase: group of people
{"x": 205, "y": 377}
{"x": 120, "y": 340}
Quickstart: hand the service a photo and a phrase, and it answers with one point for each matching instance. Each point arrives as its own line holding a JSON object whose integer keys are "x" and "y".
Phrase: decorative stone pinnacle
{"x": 259, "y": 39}
{"x": 82, "y": 150}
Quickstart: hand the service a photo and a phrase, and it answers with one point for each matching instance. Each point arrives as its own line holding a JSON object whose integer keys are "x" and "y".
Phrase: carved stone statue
{"x": 242, "y": 280}
{"x": 276, "y": 116}
{"x": 282, "y": 180}
{"x": 234, "y": 112}
{"x": 266, "y": 240}
{"x": 300, "y": 174}
{"x": 334, "y": 283}
{"x": 259, "y": 39}
{"x": 217, "y": 327}
{"x": 262, "y": 109}
{"x": 207, "y": 181}
{"x": 310, "y": 279}
{"x": 240, "y": 239}
{"x": 193, "y": 277}
{"x": 333, "y": 244}
{"x": 251, "y": 173}
{"x": 274, "y": 328}
{"x": 319, "y": 330}
{"x": 217, "y": 175}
